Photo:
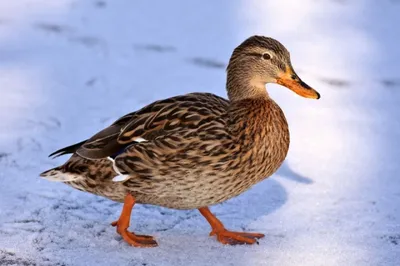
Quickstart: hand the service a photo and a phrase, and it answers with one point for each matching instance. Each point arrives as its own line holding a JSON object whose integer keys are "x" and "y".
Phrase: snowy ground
{"x": 68, "y": 68}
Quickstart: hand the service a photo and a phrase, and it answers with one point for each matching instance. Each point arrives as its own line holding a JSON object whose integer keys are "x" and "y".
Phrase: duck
{"x": 195, "y": 150}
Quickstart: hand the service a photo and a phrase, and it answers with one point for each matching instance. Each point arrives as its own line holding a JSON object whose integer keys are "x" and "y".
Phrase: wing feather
{"x": 161, "y": 118}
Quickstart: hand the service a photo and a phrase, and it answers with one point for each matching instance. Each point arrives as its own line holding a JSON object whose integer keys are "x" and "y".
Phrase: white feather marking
{"x": 139, "y": 139}
{"x": 120, "y": 177}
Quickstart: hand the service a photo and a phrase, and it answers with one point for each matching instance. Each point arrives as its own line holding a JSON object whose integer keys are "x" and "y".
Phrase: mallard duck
{"x": 194, "y": 150}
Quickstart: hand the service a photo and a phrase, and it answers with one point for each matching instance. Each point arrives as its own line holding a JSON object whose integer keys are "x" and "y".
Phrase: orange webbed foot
{"x": 227, "y": 237}
{"x": 131, "y": 238}
{"x": 123, "y": 223}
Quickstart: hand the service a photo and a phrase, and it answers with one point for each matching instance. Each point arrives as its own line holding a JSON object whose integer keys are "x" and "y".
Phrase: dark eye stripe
{"x": 265, "y": 56}
{"x": 254, "y": 54}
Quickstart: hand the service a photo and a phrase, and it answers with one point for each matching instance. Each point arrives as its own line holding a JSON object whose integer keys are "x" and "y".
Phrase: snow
{"x": 69, "y": 68}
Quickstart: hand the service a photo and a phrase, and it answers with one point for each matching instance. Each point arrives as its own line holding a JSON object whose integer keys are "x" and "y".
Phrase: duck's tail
{"x": 59, "y": 175}
{"x": 67, "y": 150}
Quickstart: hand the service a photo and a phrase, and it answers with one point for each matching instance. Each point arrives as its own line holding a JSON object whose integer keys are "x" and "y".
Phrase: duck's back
{"x": 161, "y": 118}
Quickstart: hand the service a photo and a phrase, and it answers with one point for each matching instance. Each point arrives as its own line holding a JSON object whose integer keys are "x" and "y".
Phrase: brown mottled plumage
{"x": 194, "y": 150}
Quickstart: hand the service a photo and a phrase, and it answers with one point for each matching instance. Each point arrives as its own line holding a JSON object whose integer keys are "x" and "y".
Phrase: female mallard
{"x": 195, "y": 150}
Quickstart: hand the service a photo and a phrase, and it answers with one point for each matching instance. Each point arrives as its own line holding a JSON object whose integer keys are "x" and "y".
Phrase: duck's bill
{"x": 294, "y": 83}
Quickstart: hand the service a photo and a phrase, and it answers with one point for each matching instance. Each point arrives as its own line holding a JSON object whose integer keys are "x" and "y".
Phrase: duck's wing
{"x": 105, "y": 140}
{"x": 158, "y": 119}
{"x": 169, "y": 165}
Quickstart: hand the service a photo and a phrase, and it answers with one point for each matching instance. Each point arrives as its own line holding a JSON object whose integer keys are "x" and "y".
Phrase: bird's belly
{"x": 206, "y": 190}
{"x": 207, "y": 185}
{"x": 192, "y": 191}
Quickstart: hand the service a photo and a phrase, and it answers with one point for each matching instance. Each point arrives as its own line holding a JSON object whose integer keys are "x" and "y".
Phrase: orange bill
{"x": 291, "y": 81}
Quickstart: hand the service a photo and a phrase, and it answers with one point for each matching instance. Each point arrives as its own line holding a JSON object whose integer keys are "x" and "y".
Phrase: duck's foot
{"x": 133, "y": 239}
{"x": 225, "y": 236}
{"x": 123, "y": 223}
{"x": 236, "y": 238}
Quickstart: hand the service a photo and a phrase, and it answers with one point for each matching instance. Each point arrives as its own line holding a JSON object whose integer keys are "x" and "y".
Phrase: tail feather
{"x": 58, "y": 175}
{"x": 67, "y": 150}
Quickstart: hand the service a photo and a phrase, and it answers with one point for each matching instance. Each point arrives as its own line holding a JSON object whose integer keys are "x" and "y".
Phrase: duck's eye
{"x": 266, "y": 56}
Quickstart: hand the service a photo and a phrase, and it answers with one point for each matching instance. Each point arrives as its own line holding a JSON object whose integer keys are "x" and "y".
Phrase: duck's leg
{"x": 123, "y": 223}
{"x": 225, "y": 236}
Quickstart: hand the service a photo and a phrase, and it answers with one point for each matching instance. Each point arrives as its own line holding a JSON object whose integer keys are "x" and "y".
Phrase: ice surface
{"x": 69, "y": 68}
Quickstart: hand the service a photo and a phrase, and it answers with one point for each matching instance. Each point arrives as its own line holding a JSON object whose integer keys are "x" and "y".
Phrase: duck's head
{"x": 260, "y": 60}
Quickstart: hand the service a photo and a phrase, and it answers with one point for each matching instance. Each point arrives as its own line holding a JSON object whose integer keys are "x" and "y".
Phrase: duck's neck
{"x": 240, "y": 86}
